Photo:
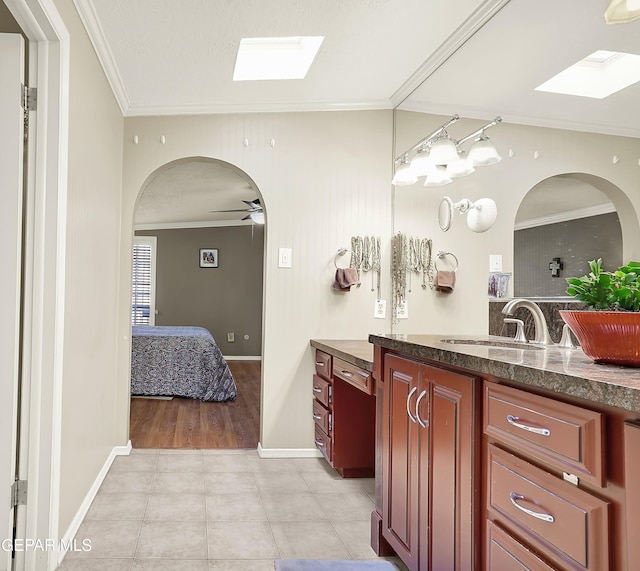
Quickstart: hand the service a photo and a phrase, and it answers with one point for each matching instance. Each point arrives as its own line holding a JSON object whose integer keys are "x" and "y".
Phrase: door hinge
{"x": 19, "y": 493}
{"x": 29, "y": 98}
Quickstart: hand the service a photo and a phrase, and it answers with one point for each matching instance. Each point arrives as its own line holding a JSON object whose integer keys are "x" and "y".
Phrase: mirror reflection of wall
{"x": 564, "y": 217}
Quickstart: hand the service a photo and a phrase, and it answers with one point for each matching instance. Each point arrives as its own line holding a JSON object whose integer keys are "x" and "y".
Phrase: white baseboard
{"x": 288, "y": 452}
{"x": 242, "y": 357}
{"x": 72, "y": 530}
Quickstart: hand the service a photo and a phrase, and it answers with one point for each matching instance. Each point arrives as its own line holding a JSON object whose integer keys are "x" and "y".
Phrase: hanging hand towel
{"x": 345, "y": 278}
{"x": 445, "y": 281}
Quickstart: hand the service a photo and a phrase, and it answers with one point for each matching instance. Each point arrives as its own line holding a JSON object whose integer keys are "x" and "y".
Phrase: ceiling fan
{"x": 254, "y": 208}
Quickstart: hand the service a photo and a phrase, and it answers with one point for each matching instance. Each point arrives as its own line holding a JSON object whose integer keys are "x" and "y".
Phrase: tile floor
{"x": 222, "y": 510}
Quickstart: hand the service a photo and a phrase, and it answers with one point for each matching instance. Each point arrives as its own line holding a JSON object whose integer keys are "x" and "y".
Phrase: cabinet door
{"x": 450, "y": 531}
{"x": 400, "y": 507}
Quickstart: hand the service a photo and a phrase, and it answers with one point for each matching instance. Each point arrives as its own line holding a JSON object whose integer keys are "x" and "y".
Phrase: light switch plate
{"x": 495, "y": 262}
{"x": 380, "y": 309}
{"x": 402, "y": 311}
{"x": 284, "y": 258}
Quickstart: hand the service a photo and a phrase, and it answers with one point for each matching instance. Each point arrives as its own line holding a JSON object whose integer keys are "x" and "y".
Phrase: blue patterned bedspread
{"x": 179, "y": 361}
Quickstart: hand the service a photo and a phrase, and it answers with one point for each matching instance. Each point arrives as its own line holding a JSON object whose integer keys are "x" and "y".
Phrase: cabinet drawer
{"x": 505, "y": 553}
{"x": 356, "y": 376}
{"x": 564, "y": 520}
{"x": 322, "y": 417}
{"x": 322, "y": 390}
{"x": 323, "y": 443}
{"x": 564, "y": 436}
{"x": 323, "y": 364}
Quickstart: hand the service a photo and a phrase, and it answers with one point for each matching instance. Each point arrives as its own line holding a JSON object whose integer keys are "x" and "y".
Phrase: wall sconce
{"x": 481, "y": 214}
{"x": 438, "y": 152}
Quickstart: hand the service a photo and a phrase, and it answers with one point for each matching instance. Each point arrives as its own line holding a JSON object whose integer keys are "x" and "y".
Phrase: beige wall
{"x": 92, "y": 270}
{"x": 465, "y": 311}
{"x": 223, "y": 299}
{"x": 325, "y": 179}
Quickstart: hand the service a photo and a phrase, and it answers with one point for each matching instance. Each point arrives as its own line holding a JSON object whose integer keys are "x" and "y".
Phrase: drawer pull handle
{"x": 319, "y": 443}
{"x": 413, "y": 390}
{"x": 346, "y": 373}
{"x": 421, "y": 422}
{"x": 515, "y": 421}
{"x": 319, "y": 364}
{"x": 317, "y": 416}
{"x": 317, "y": 390}
{"x": 514, "y": 500}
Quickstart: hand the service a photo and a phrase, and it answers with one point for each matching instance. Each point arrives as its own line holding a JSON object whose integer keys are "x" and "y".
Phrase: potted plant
{"x": 610, "y": 331}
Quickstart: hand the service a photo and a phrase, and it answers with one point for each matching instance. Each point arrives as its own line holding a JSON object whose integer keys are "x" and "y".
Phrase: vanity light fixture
{"x": 481, "y": 214}
{"x": 440, "y": 158}
{"x": 257, "y": 217}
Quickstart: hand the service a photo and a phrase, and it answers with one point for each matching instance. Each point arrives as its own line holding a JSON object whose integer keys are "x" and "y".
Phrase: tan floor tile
{"x": 315, "y": 465}
{"x": 240, "y": 540}
{"x": 172, "y": 540}
{"x": 175, "y": 507}
{"x": 235, "y": 507}
{"x": 145, "y": 451}
{"x": 169, "y": 565}
{"x": 356, "y": 535}
{"x": 239, "y": 565}
{"x": 280, "y": 482}
{"x": 180, "y": 451}
{"x": 134, "y": 463}
{"x": 272, "y": 464}
{"x": 229, "y": 482}
{"x": 96, "y": 565}
{"x": 308, "y": 540}
{"x": 224, "y": 451}
{"x": 292, "y": 507}
{"x": 226, "y": 463}
{"x": 173, "y": 483}
{"x": 323, "y": 483}
{"x": 109, "y": 540}
{"x": 180, "y": 463}
{"x": 368, "y": 485}
{"x": 347, "y": 507}
{"x": 127, "y": 483}
{"x": 117, "y": 506}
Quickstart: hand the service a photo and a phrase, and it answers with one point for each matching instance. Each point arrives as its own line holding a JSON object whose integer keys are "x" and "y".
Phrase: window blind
{"x": 142, "y": 284}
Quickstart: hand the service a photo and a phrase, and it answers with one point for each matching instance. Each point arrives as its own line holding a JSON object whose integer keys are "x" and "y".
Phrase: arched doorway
{"x": 204, "y": 221}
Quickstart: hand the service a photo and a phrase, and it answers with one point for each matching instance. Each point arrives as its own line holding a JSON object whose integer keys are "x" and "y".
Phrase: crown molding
{"x": 199, "y": 224}
{"x": 89, "y": 18}
{"x": 566, "y": 216}
{"x": 478, "y": 18}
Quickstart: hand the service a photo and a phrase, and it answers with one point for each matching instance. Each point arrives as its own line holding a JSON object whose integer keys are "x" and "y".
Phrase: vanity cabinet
{"x": 428, "y": 469}
{"x": 344, "y": 415}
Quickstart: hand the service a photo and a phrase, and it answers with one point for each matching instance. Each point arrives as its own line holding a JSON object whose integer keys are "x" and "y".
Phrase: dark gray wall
{"x": 575, "y": 242}
{"x": 223, "y": 299}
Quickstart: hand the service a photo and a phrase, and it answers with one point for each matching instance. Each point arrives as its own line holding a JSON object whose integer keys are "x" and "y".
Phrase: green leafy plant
{"x": 608, "y": 291}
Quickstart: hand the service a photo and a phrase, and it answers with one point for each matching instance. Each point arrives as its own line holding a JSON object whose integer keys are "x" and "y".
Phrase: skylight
{"x": 598, "y": 75}
{"x": 276, "y": 58}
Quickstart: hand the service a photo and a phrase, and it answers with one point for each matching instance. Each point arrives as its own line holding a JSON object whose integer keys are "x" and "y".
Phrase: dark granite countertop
{"x": 564, "y": 371}
{"x": 358, "y": 352}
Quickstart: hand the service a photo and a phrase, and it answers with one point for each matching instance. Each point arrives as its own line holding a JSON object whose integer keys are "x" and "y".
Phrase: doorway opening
{"x": 198, "y": 218}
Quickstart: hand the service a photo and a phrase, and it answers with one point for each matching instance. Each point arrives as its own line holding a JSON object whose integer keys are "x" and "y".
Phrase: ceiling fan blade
{"x": 234, "y": 210}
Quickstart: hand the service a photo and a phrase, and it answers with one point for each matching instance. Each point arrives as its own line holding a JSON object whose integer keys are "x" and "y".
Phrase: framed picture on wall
{"x": 208, "y": 257}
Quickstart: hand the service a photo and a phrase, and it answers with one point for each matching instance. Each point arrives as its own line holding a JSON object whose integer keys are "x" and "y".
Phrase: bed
{"x": 179, "y": 361}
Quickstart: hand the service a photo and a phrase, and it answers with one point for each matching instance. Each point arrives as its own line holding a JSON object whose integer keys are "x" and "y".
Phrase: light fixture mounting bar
{"x": 480, "y": 131}
{"x": 426, "y": 139}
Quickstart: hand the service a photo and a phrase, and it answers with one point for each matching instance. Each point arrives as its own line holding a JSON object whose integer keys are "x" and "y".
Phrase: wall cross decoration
{"x": 555, "y": 265}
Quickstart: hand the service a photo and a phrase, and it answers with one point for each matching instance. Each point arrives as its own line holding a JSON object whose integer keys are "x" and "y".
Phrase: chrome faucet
{"x": 540, "y": 324}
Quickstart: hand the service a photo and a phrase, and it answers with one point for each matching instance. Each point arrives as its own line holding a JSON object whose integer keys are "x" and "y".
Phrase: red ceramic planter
{"x": 607, "y": 336}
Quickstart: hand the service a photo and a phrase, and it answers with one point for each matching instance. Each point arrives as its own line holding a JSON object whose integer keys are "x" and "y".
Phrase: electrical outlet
{"x": 231, "y": 337}
{"x": 402, "y": 311}
{"x": 380, "y": 309}
{"x": 284, "y": 258}
{"x": 495, "y": 262}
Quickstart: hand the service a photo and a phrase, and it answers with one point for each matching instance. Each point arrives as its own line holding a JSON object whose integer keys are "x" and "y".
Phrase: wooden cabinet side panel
{"x": 632, "y": 503}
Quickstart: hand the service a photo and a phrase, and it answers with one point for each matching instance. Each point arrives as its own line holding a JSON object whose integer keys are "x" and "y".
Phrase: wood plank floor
{"x": 190, "y": 423}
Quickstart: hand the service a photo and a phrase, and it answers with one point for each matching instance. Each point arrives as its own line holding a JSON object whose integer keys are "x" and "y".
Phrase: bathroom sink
{"x": 503, "y": 344}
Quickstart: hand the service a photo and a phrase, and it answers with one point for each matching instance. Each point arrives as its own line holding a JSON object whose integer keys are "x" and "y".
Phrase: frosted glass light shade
{"x": 437, "y": 177}
{"x": 404, "y": 176}
{"x": 443, "y": 151}
{"x": 460, "y": 167}
{"x": 257, "y": 217}
{"x": 483, "y": 152}
{"x": 421, "y": 164}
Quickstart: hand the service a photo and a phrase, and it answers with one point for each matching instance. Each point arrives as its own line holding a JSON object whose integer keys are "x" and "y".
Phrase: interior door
{"x": 11, "y": 152}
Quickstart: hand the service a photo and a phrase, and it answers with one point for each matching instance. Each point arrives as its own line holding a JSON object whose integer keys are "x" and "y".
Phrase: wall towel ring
{"x": 340, "y": 252}
{"x": 440, "y": 255}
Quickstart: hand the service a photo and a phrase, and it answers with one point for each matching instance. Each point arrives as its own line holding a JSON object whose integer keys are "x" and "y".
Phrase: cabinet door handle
{"x": 413, "y": 390}
{"x": 319, "y": 364}
{"x": 421, "y": 422}
{"x": 514, "y": 500}
{"x": 317, "y": 389}
{"x": 317, "y": 416}
{"x": 515, "y": 421}
{"x": 320, "y": 443}
{"x": 346, "y": 373}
